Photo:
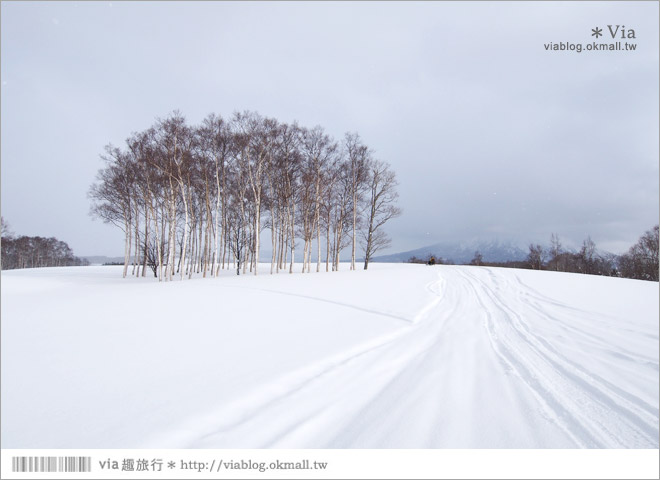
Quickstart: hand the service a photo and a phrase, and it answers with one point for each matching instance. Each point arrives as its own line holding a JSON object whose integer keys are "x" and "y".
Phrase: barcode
{"x": 51, "y": 464}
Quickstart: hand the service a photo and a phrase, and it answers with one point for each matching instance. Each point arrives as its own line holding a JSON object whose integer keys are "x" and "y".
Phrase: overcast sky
{"x": 491, "y": 135}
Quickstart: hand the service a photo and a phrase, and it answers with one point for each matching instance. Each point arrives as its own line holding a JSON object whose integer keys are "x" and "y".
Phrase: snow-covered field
{"x": 399, "y": 356}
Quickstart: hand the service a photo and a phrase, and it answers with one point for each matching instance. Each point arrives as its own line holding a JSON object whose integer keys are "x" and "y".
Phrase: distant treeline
{"x": 34, "y": 252}
{"x": 640, "y": 262}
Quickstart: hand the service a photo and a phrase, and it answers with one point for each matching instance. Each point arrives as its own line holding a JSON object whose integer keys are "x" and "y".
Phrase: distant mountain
{"x": 491, "y": 250}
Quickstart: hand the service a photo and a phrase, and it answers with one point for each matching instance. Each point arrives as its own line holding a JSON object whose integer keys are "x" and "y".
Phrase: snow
{"x": 399, "y": 356}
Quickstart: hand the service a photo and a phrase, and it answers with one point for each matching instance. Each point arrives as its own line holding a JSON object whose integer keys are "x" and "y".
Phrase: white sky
{"x": 491, "y": 135}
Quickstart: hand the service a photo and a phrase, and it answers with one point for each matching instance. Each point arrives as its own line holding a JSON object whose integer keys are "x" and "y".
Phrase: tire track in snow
{"x": 590, "y": 412}
{"x": 360, "y": 397}
{"x": 441, "y": 398}
{"x": 257, "y": 407}
{"x": 607, "y": 388}
{"x": 576, "y": 317}
{"x": 636, "y": 410}
{"x": 590, "y": 415}
{"x": 342, "y": 417}
{"x": 235, "y": 414}
{"x": 514, "y": 361}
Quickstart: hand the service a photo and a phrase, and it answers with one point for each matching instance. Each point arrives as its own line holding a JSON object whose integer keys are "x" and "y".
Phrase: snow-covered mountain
{"x": 491, "y": 250}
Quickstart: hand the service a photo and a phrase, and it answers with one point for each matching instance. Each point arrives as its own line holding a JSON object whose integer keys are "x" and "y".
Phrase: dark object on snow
{"x": 431, "y": 261}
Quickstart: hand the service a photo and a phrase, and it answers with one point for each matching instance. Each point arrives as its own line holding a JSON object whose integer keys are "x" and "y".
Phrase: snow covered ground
{"x": 399, "y": 356}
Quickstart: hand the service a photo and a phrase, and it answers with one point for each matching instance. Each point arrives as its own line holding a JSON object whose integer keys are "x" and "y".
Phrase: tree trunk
{"x": 185, "y": 227}
{"x": 146, "y": 237}
{"x": 257, "y": 225}
{"x": 293, "y": 235}
{"x": 127, "y": 246}
{"x": 327, "y": 244}
{"x": 354, "y": 230}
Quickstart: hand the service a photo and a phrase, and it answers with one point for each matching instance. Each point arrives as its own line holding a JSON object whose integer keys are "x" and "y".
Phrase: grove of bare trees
{"x": 196, "y": 199}
{"x": 640, "y": 262}
{"x": 35, "y": 252}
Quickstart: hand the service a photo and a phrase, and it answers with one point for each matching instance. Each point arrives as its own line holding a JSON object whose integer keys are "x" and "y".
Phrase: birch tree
{"x": 555, "y": 250}
{"x": 382, "y": 197}
{"x": 258, "y": 133}
{"x": 112, "y": 196}
{"x": 320, "y": 158}
{"x": 359, "y": 157}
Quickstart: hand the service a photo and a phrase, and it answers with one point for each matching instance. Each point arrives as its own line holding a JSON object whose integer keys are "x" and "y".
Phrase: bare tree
{"x": 258, "y": 138}
{"x": 587, "y": 256}
{"x": 218, "y": 142}
{"x": 382, "y": 197}
{"x": 478, "y": 259}
{"x": 6, "y": 229}
{"x": 319, "y": 154}
{"x": 286, "y": 172}
{"x": 341, "y": 211}
{"x": 555, "y": 251}
{"x": 648, "y": 244}
{"x": 359, "y": 158}
{"x": 641, "y": 260}
{"x": 536, "y": 256}
{"x": 112, "y": 197}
